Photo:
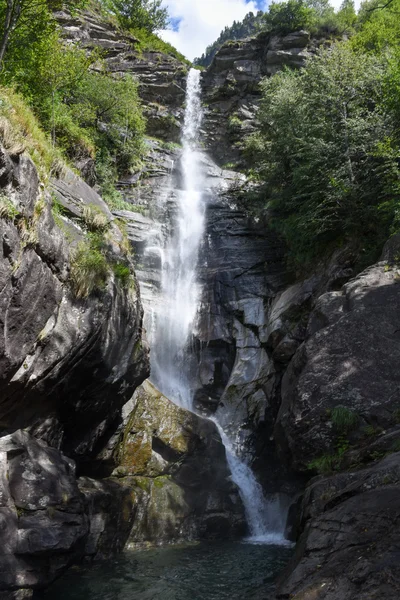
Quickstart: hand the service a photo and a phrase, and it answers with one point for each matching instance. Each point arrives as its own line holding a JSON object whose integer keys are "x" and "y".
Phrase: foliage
{"x": 94, "y": 218}
{"x": 122, "y": 272}
{"x": 141, "y": 14}
{"x": 20, "y": 130}
{"x": 344, "y": 419}
{"x": 28, "y": 17}
{"x": 89, "y": 114}
{"x": 377, "y": 30}
{"x": 151, "y": 42}
{"x": 7, "y": 209}
{"x": 326, "y": 155}
{"x": 324, "y": 464}
{"x": 89, "y": 268}
{"x": 284, "y": 17}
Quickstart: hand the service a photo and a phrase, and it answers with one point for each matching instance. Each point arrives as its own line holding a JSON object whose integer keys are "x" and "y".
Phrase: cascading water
{"x": 174, "y": 318}
{"x": 180, "y": 291}
{"x": 264, "y": 517}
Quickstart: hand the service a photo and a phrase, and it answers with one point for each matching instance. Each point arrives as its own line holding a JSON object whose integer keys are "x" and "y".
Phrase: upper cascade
{"x": 175, "y": 315}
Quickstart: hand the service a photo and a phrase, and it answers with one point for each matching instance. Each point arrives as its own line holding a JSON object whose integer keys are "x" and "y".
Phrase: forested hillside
{"x": 325, "y": 153}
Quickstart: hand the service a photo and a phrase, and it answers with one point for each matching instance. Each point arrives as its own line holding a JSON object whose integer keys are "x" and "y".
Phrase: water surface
{"x": 219, "y": 571}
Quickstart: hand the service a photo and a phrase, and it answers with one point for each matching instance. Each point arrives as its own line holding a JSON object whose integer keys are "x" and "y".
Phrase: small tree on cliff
{"x": 142, "y": 14}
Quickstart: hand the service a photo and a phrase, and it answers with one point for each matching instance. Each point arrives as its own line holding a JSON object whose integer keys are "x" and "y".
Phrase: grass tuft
{"x": 20, "y": 131}
{"x": 89, "y": 268}
{"x": 344, "y": 419}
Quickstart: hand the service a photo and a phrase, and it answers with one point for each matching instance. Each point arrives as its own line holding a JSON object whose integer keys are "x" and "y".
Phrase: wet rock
{"x": 111, "y": 512}
{"x": 175, "y": 464}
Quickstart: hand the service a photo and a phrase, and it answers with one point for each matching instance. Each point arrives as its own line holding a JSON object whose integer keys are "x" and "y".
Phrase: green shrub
{"x": 94, "y": 218}
{"x": 324, "y": 464}
{"x": 326, "y": 156}
{"x": 152, "y": 42}
{"x": 89, "y": 268}
{"x": 7, "y": 209}
{"x": 123, "y": 273}
{"x": 284, "y": 17}
{"x": 344, "y": 419}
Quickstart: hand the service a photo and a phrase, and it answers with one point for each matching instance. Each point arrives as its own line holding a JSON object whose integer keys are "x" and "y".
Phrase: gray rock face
{"x": 231, "y": 88}
{"x": 161, "y": 76}
{"x": 350, "y": 544}
{"x": 350, "y": 360}
{"x": 51, "y": 340}
{"x": 42, "y": 520}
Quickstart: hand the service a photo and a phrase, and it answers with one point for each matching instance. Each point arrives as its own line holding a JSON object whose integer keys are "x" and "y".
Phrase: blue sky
{"x": 198, "y": 23}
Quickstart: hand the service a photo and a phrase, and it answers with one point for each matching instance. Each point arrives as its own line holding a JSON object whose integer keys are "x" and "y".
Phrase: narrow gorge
{"x": 199, "y": 419}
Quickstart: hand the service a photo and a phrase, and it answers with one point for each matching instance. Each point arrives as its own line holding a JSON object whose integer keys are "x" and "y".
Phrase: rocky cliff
{"x": 302, "y": 371}
{"x": 73, "y": 352}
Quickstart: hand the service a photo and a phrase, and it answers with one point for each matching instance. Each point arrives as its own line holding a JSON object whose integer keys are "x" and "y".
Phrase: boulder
{"x": 50, "y": 339}
{"x": 349, "y": 361}
{"x": 350, "y": 544}
{"x": 174, "y": 462}
{"x": 43, "y": 525}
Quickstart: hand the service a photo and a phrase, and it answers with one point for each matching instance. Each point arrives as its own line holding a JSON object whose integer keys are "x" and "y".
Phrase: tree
{"x": 347, "y": 16}
{"x": 325, "y": 152}
{"x": 15, "y": 14}
{"x": 142, "y": 14}
{"x": 284, "y": 17}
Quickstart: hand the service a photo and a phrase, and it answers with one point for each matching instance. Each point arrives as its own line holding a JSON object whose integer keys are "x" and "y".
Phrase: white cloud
{"x": 201, "y": 22}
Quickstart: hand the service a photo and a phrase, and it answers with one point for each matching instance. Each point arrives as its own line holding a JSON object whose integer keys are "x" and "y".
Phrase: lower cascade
{"x": 265, "y": 518}
{"x": 175, "y": 319}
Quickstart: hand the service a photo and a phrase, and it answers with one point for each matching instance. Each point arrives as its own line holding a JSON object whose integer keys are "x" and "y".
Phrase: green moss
{"x": 144, "y": 483}
{"x": 159, "y": 482}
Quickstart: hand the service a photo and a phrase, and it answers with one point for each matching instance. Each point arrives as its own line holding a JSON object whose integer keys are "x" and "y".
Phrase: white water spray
{"x": 180, "y": 290}
{"x": 174, "y": 318}
{"x": 265, "y": 518}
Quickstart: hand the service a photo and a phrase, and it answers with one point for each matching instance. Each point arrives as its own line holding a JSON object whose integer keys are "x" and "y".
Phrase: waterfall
{"x": 174, "y": 318}
{"x": 179, "y": 289}
{"x": 265, "y": 518}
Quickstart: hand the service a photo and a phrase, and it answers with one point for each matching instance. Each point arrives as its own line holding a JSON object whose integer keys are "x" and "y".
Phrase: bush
{"x": 123, "y": 273}
{"x": 344, "y": 419}
{"x": 7, "y": 209}
{"x": 94, "y": 218}
{"x": 284, "y": 17}
{"x": 20, "y": 130}
{"x": 89, "y": 268}
{"x": 149, "y": 15}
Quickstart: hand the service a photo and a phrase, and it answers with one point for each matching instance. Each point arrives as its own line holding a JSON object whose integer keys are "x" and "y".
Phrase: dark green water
{"x": 234, "y": 571}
